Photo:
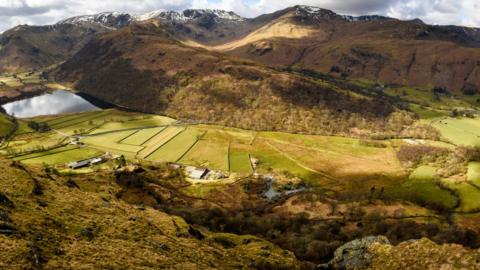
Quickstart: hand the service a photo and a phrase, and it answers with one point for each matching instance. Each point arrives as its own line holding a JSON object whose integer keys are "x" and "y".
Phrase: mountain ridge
{"x": 374, "y": 47}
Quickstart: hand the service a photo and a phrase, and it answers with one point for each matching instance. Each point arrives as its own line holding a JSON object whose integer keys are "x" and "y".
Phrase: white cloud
{"x": 462, "y": 12}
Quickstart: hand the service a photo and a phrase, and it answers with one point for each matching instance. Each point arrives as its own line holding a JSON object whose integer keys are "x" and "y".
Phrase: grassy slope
{"x": 5, "y": 125}
{"x": 142, "y": 136}
{"x": 461, "y": 131}
{"x": 209, "y": 154}
{"x": 64, "y": 157}
{"x": 111, "y": 141}
{"x": 239, "y": 159}
{"x": 159, "y": 140}
{"x": 474, "y": 173}
{"x": 341, "y": 164}
{"x": 175, "y": 149}
{"x": 45, "y": 153}
{"x": 469, "y": 195}
{"x": 422, "y": 188}
{"x": 152, "y": 239}
{"x": 309, "y": 157}
{"x": 210, "y": 88}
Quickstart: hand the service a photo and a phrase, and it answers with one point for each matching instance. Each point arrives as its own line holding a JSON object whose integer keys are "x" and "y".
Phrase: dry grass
{"x": 276, "y": 29}
{"x": 152, "y": 239}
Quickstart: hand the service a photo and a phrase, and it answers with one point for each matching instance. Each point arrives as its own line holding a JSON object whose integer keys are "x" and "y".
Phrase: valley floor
{"x": 333, "y": 164}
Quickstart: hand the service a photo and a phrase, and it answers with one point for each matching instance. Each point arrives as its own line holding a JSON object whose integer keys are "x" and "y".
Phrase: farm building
{"x": 196, "y": 173}
{"x": 84, "y": 163}
{"x": 96, "y": 161}
{"x": 78, "y": 164}
{"x": 174, "y": 166}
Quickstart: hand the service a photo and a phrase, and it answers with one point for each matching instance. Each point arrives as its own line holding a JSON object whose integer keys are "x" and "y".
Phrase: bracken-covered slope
{"x": 423, "y": 254}
{"x": 143, "y": 67}
{"x": 53, "y": 222}
{"x": 376, "y": 253}
{"x": 376, "y": 48}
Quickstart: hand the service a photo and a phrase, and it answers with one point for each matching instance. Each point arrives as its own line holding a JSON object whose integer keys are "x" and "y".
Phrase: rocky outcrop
{"x": 376, "y": 253}
{"x": 355, "y": 254}
{"x": 423, "y": 254}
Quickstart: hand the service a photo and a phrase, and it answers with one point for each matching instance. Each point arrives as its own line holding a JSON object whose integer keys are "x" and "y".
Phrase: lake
{"x": 57, "y": 102}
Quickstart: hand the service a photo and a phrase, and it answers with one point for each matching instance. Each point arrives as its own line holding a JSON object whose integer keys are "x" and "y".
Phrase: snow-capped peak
{"x": 118, "y": 19}
{"x": 150, "y": 15}
{"x": 189, "y": 14}
{"x": 221, "y": 14}
{"x": 169, "y": 15}
{"x": 364, "y": 18}
{"x": 107, "y": 19}
{"x": 314, "y": 12}
{"x": 309, "y": 9}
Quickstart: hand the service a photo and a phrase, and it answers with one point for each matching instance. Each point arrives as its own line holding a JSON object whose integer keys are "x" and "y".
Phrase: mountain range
{"x": 373, "y": 47}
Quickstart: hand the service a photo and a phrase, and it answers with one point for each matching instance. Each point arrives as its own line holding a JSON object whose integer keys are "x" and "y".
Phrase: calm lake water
{"x": 58, "y": 102}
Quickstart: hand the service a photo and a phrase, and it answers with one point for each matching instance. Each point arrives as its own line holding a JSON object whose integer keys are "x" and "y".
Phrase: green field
{"x": 64, "y": 157}
{"x": 110, "y": 142}
{"x": 208, "y": 154}
{"x": 425, "y": 96}
{"x": 21, "y": 79}
{"x": 474, "y": 173}
{"x": 74, "y": 122}
{"x": 125, "y": 121}
{"x": 273, "y": 160}
{"x": 427, "y": 113}
{"x": 340, "y": 145}
{"x": 10, "y": 82}
{"x": 469, "y": 196}
{"x": 175, "y": 149}
{"x": 327, "y": 162}
{"x": 53, "y": 121}
{"x": 422, "y": 188}
{"x": 159, "y": 140}
{"x": 46, "y": 153}
{"x": 460, "y": 131}
{"x": 423, "y": 173}
{"x": 102, "y": 122}
{"x": 423, "y": 193}
{"x": 215, "y": 133}
{"x": 34, "y": 141}
{"x": 239, "y": 159}
{"x": 155, "y": 138}
{"x": 141, "y": 136}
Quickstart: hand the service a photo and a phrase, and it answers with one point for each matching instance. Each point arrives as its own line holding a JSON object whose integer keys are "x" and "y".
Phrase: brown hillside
{"x": 33, "y": 47}
{"x": 53, "y": 222}
{"x": 383, "y": 49}
{"x": 142, "y": 67}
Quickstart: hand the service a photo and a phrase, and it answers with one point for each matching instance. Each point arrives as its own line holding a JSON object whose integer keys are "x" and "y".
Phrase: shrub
{"x": 372, "y": 143}
{"x": 469, "y": 154}
{"x": 414, "y": 154}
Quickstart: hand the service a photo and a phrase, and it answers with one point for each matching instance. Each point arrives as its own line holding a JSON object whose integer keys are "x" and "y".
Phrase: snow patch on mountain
{"x": 106, "y": 19}
{"x": 314, "y": 12}
{"x": 189, "y": 15}
{"x": 365, "y": 18}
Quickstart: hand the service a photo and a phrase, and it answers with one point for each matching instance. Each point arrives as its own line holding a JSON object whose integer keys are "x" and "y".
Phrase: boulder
{"x": 354, "y": 255}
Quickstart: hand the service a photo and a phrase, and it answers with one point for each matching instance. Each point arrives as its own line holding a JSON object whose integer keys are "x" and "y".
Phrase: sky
{"x": 41, "y": 12}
